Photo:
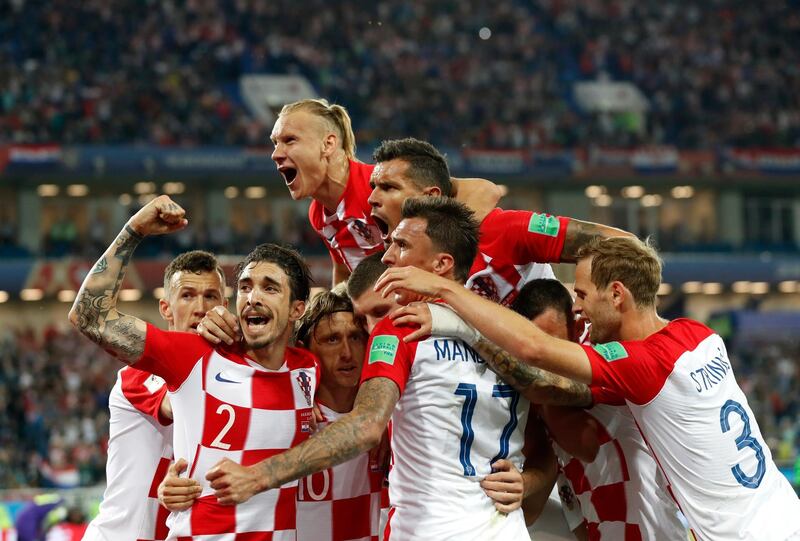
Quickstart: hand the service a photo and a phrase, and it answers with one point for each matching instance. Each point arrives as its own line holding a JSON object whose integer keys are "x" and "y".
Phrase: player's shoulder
{"x": 315, "y": 214}
{"x": 300, "y": 358}
{"x": 677, "y": 338}
{"x": 360, "y": 172}
{"x": 177, "y": 341}
{"x": 386, "y": 326}
{"x": 669, "y": 343}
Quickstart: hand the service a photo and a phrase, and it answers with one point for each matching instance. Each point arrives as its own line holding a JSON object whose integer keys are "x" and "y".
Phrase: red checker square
{"x": 162, "y": 530}
{"x": 352, "y": 517}
{"x": 632, "y": 532}
{"x": 286, "y": 509}
{"x": 257, "y": 455}
{"x": 209, "y": 517}
{"x": 273, "y": 391}
{"x": 254, "y": 536}
{"x": 317, "y": 487}
{"x": 225, "y": 425}
{"x": 161, "y": 471}
{"x": 575, "y": 473}
{"x": 610, "y": 503}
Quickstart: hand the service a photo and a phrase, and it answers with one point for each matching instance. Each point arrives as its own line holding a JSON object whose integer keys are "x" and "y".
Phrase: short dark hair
{"x": 426, "y": 165}
{"x": 195, "y": 261}
{"x": 323, "y": 305}
{"x": 538, "y": 295}
{"x": 365, "y": 274}
{"x": 452, "y": 228}
{"x": 288, "y": 259}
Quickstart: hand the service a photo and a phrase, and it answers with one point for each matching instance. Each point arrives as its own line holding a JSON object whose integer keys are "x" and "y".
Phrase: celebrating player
{"x": 226, "y": 406}
{"x": 614, "y": 479}
{"x": 140, "y": 429}
{"x": 675, "y": 377}
{"x": 315, "y": 154}
{"x": 513, "y": 243}
{"x": 440, "y": 455}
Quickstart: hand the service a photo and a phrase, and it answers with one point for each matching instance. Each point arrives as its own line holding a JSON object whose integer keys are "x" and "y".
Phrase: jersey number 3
{"x": 470, "y": 393}
{"x": 745, "y": 439}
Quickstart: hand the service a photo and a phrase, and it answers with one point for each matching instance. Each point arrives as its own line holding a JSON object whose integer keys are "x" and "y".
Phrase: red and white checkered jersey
{"x": 453, "y": 420}
{"x": 350, "y": 234}
{"x": 342, "y": 503}
{"x": 619, "y": 493}
{"x": 8, "y": 534}
{"x": 228, "y": 406}
{"x": 139, "y": 453}
{"x": 514, "y": 248}
{"x": 680, "y": 387}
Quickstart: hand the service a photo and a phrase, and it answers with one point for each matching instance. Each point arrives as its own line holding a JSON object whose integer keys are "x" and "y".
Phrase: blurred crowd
{"x": 54, "y": 397}
{"x": 54, "y": 401}
{"x": 458, "y": 73}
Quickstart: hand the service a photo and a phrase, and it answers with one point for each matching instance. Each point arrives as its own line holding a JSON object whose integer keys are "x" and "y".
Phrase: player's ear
{"x": 432, "y": 190}
{"x": 165, "y": 310}
{"x": 296, "y": 310}
{"x": 329, "y": 144}
{"x": 618, "y": 292}
{"x": 443, "y": 263}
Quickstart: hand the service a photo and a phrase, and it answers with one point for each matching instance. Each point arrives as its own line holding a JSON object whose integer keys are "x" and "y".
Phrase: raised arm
{"x": 340, "y": 441}
{"x": 94, "y": 312}
{"x": 579, "y": 233}
{"x": 479, "y": 194}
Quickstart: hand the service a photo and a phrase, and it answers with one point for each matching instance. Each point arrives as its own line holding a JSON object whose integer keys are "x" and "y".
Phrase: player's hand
{"x": 410, "y": 284}
{"x": 504, "y": 486}
{"x": 233, "y": 483}
{"x": 159, "y": 216}
{"x": 219, "y": 325}
{"x": 413, "y": 315}
{"x": 178, "y": 493}
{"x": 434, "y": 319}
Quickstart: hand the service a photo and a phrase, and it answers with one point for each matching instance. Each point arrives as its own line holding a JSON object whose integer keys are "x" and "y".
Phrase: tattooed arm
{"x": 579, "y": 233}
{"x": 94, "y": 312}
{"x": 346, "y": 438}
{"x": 537, "y": 385}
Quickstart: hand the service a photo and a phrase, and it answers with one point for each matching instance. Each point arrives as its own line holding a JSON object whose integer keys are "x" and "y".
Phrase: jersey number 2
{"x": 745, "y": 439}
{"x": 470, "y": 393}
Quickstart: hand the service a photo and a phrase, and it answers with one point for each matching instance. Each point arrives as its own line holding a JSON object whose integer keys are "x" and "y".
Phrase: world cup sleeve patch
{"x": 544, "y": 224}
{"x": 612, "y": 351}
{"x": 383, "y": 349}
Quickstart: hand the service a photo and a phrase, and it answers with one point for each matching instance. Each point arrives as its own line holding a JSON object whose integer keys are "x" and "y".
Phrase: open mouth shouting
{"x": 288, "y": 174}
{"x": 382, "y": 225}
{"x": 255, "y": 322}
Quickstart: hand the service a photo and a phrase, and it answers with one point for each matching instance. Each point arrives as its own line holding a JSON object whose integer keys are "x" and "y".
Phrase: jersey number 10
{"x": 470, "y": 393}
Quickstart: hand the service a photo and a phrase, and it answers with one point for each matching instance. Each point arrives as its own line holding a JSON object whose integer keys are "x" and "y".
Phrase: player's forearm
{"x": 340, "y": 441}
{"x": 579, "y": 233}
{"x": 94, "y": 312}
{"x": 537, "y": 385}
{"x": 516, "y": 335}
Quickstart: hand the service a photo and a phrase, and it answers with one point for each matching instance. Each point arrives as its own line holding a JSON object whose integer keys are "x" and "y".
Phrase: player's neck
{"x": 272, "y": 356}
{"x": 339, "y": 399}
{"x": 330, "y": 191}
{"x": 638, "y": 324}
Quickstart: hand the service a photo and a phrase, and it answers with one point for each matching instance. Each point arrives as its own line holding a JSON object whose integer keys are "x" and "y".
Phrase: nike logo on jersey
{"x": 219, "y": 378}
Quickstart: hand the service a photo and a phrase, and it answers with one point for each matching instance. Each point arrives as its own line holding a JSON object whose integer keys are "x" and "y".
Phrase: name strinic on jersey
{"x": 711, "y": 373}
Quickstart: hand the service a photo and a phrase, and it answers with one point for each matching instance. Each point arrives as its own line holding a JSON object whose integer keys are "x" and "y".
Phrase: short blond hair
{"x": 628, "y": 260}
{"x": 335, "y": 115}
